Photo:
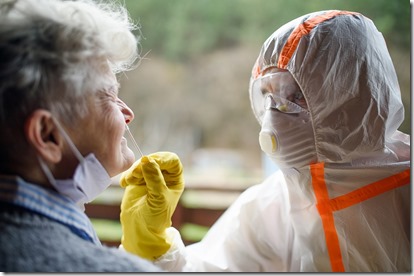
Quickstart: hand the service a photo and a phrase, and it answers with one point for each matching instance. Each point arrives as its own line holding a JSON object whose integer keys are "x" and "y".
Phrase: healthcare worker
{"x": 326, "y": 94}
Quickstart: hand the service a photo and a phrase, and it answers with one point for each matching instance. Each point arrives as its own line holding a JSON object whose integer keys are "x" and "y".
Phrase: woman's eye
{"x": 111, "y": 97}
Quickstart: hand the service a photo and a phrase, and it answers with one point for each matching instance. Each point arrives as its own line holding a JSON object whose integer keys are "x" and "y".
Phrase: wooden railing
{"x": 198, "y": 206}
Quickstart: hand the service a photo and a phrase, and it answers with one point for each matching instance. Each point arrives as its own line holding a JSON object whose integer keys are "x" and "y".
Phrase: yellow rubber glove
{"x": 153, "y": 186}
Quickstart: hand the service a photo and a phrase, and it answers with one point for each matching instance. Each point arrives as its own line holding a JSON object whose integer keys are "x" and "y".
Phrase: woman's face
{"x": 102, "y": 131}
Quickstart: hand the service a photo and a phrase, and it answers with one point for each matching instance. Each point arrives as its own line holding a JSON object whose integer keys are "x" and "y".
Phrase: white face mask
{"x": 89, "y": 180}
{"x": 287, "y": 138}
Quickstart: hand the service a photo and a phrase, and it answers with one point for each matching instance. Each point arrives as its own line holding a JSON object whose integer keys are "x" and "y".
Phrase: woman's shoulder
{"x": 34, "y": 243}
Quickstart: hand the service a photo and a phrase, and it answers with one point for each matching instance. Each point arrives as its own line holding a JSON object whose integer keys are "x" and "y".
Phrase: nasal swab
{"x": 133, "y": 141}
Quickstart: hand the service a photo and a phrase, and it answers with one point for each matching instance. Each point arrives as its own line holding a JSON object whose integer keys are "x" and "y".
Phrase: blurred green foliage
{"x": 202, "y": 52}
{"x": 107, "y": 229}
{"x": 185, "y": 29}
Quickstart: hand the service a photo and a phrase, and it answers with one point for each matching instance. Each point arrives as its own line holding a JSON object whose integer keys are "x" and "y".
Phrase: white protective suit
{"x": 349, "y": 208}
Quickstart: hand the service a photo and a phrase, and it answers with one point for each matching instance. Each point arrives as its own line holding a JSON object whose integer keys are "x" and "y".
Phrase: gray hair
{"x": 53, "y": 53}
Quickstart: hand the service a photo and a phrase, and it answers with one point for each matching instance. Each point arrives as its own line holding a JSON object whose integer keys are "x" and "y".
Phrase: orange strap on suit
{"x": 327, "y": 206}
{"x": 292, "y": 42}
{"x": 302, "y": 30}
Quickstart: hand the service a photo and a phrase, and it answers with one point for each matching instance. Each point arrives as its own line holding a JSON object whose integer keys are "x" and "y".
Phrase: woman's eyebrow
{"x": 114, "y": 88}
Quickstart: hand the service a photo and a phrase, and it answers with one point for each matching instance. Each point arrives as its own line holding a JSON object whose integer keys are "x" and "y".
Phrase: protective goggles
{"x": 278, "y": 91}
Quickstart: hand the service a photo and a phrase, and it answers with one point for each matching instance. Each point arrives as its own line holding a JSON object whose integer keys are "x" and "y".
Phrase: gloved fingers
{"x": 132, "y": 176}
{"x": 171, "y": 167}
{"x": 153, "y": 176}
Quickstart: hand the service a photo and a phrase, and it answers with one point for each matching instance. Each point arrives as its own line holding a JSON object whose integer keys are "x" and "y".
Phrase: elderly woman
{"x": 326, "y": 95}
{"x": 62, "y": 132}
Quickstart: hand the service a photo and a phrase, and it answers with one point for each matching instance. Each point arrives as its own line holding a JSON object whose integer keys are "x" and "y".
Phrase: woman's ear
{"x": 43, "y": 135}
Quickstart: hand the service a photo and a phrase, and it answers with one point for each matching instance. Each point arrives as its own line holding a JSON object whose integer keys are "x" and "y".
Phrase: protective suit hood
{"x": 341, "y": 63}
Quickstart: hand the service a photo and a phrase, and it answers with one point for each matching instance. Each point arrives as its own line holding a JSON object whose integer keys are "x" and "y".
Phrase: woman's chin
{"x": 129, "y": 157}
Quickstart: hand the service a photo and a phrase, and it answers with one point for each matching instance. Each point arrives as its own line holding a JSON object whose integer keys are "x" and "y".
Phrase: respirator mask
{"x": 286, "y": 134}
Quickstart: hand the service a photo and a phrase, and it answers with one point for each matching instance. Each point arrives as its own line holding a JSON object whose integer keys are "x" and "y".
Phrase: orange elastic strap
{"x": 327, "y": 206}
{"x": 300, "y": 31}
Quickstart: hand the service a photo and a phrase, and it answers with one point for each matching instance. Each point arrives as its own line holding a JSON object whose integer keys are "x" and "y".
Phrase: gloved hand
{"x": 153, "y": 186}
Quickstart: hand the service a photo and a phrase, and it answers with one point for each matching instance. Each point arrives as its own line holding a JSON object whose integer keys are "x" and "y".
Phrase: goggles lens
{"x": 277, "y": 91}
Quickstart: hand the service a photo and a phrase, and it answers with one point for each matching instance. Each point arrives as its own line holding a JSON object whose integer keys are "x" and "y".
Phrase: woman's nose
{"x": 128, "y": 113}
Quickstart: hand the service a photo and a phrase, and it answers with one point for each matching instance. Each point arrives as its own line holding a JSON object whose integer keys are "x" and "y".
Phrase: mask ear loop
{"x": 133, "y": 141}
{"x": 43, "y": 165}
{"x": 68, "y": 140}
{"x": 47, "y": 172}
